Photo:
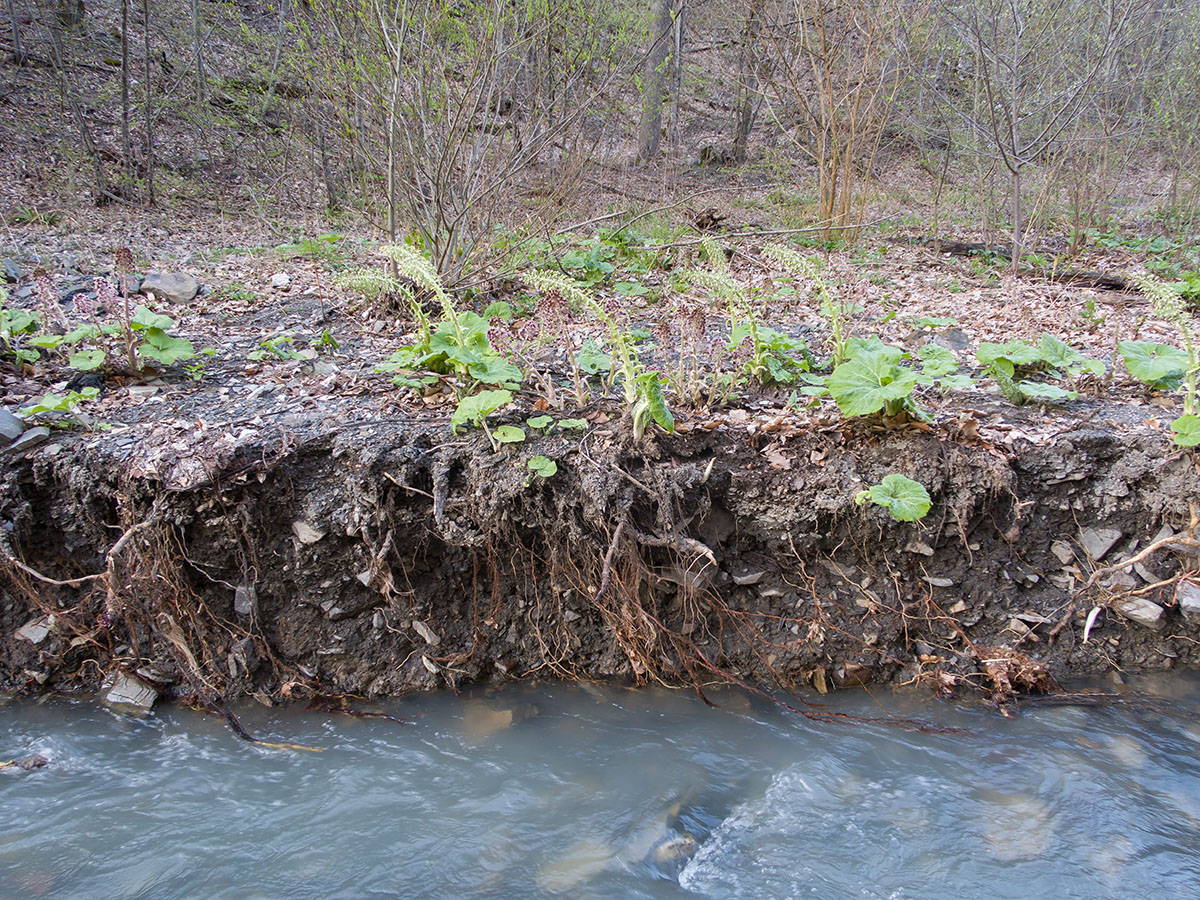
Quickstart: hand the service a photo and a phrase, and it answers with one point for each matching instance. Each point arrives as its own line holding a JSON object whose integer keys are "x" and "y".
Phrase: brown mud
{"x": 333, "y": 549}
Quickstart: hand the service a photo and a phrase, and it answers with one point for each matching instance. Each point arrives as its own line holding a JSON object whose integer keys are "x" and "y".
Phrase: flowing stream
{"x": 579, "y": 791}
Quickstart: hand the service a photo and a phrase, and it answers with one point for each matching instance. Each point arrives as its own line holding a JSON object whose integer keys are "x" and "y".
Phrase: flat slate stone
{"x": 173, "y": 286}
{"x": 1189, "y": 602}
{"x": 129, "y": 693}
{"x": 11, "y": 427}
{"x": 12, "y": 272}
{"x": 1142, "y": 611}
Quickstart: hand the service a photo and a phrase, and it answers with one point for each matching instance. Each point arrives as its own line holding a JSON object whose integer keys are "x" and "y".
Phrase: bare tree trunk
{"x": 655, "y": 81}
{"x": 747, "y": 103}
{"x": 59, "y": 59}
{"x": 18, "y": 47}
{"x": 126, "y": 144}
{"x": 148, "y": 109}
{"x": 677, "y": 74}
{"x": 197, "y": 47}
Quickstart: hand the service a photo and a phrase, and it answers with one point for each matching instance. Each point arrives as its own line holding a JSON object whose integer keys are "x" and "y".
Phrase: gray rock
{"x": 1188, "y": 595}
{"x": 245, "y": 599}
{"x": 128, "y": 693}
{"x": 69, "y": 288}
{"x": 172, "y": 286}
{"x": 281, "y": 281}
{"x": 748, "y": 578}
{"x": 1063, "y": 551}
{"x": 12, "y": 272}
{"x": 30, "y": 439}
{"x": 1141, "y": 611}
{"x": 35, "y": 630}
{"x": 24, "y": 292}
{"x": 11, "y": 427}
{"x": 306, "y": 532}
{"x": 1098, "y": 541}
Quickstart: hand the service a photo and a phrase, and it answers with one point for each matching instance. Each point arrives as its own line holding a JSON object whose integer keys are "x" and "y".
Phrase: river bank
{"x": 333, "y": 546}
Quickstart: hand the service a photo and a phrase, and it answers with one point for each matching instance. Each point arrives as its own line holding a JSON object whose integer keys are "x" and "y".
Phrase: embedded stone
{"x": 306, "y": 533}
{"x": 36, "y": 630}
{"x": 128, "y": 693}
{"x": 1188, "y": 596}
{"x": 1142, "y": 611}
{"x": 1098, "y": 541}
{"x": 11, "y": 427}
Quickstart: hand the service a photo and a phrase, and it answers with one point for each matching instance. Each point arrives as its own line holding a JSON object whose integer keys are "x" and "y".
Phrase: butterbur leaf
{"x": 905, "y": 499}
{"x": 1186, "y": 430}
{"x": 539, "y": 422}
{"x": 1048, "y": 393}
{"x": 1059, "y": 355}
{"x": 145, "y": 318}
{"x": 937, "y": 360}
{"x": 1159, "y": 366}
{"x": 1019, "y": 353}
{"x": 508, "y": 434}
{"x": 573, "y": 424}
{"x": 87, "y": 360}
{"x": 591, "y": 359}
{"x": 478, "y": 407}
{"x": 160, "y": 346}
{"x": 498, "y": 309}
{"x": 870, "y": 381}
{"x": 542, "y": 466}
{"x": 492, "y": 369}
{"x": 650, "y": 389}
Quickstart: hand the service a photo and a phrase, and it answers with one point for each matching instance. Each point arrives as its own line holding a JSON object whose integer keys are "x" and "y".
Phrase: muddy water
{"x": 583, "y": 792}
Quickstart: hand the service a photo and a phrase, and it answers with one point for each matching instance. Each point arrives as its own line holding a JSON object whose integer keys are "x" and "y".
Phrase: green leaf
{"x": 1187, "y": 431}
{"x": 1050, "y": 393}
{"x": 631, "y": 289}
{"x": 542, "y": 466}
{"x": 937, "y": 360}
{"x": 509, "y": 434}
{"x": 933, "y": 322}
{"x": 1159, "y": 366}
{"x": 592, "y": 359}
{"x": 87, "y": 360}
{"x": 493, "y": 369}
{"x": 498, "y": 309}
{"x": 650, "y": 391}
{"x": 160, "y": 346}
{"x": 145, "y": 318}
{"x": 1059, "y": 355}
{"x": 477, "y": 407}
{"x": 573, "y": 424}
{"x": 49, "y": 341}
{"x": 1019, "y": 353}
{"x": 872, "y": 379}
{"x": 539, "y": 422}
{"x": 905, "y": 499}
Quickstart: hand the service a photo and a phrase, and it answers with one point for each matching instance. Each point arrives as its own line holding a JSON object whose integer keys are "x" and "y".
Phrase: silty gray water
{"x": 585, "y": 792}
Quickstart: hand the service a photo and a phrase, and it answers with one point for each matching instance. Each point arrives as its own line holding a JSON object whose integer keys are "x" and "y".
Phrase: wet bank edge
{"x": 348, "y": 554}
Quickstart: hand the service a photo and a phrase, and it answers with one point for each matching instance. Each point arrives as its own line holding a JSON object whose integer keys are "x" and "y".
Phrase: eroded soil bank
{"x": 331, "y": 548}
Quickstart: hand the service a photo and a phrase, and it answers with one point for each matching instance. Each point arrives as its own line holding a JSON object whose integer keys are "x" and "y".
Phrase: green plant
{"x": 1013, "y": 363}
{"x": 457, "y": 346}
{"x": 280, "y": 347}
{"x": 58, "y": 408}
{"x": 541, "y": 466}
{"x": 15, "y": 327}
{"x": 905, "y": 499}
{"x": 642, "y": 389}
{"x": 837, "y": 311}
{"x": 324, "y": 248}
{"x": 872, "y": 379}
{"x": 774, "y": 357}
{"x": 1169, "y": 305}
{"x": 1160, "y": 367}
{"x": 476, "y": 408}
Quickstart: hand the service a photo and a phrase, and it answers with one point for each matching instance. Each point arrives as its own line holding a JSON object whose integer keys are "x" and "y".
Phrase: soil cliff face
{"x": 324, "y": 552}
